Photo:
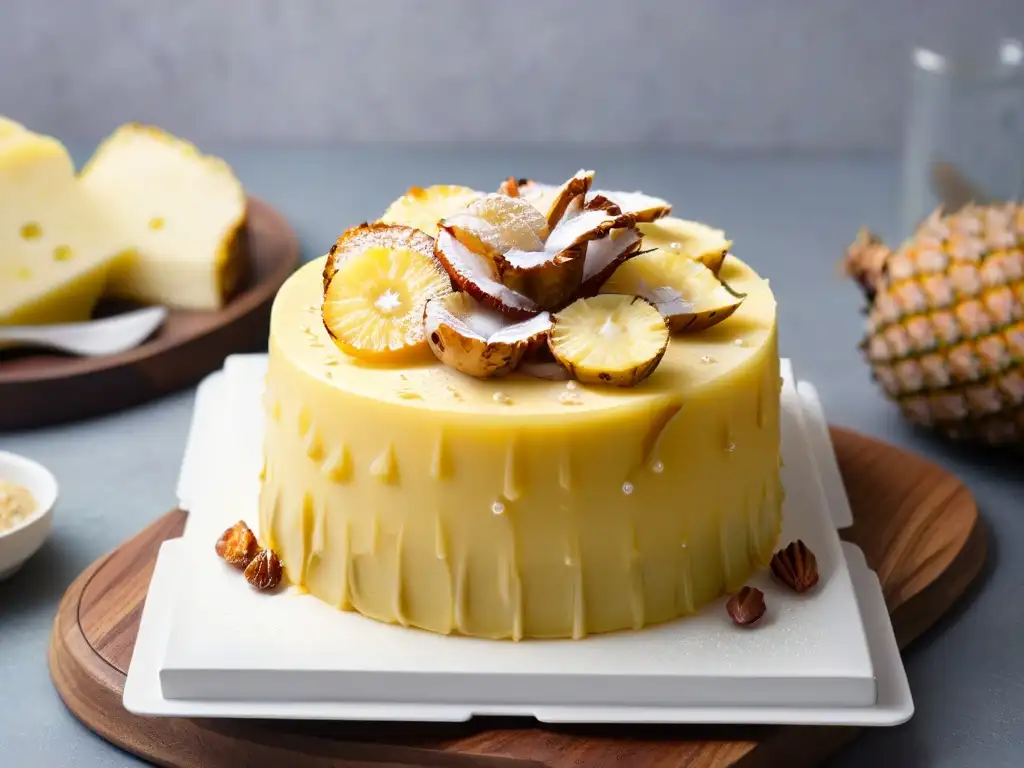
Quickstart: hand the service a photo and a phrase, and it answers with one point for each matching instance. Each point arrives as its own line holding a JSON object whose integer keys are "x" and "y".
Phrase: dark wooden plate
{"x": 915, "y": 522}
{"x": 42, "y": 388}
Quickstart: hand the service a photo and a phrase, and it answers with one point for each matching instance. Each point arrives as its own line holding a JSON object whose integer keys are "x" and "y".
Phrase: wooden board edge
{"x": 91, "y": 690}
{"x": 102, "y": 683}
{"x": 132, "y": 380}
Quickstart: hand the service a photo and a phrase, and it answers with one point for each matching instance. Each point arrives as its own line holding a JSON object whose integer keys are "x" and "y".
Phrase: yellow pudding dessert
{"x": 571, "y": 435}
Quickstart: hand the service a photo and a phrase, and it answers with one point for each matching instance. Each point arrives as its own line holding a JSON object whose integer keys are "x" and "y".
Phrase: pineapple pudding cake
{"x": 544, "y": 412}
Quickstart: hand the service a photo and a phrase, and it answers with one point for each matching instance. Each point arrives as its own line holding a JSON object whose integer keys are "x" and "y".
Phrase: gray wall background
{"x": 764, "y": 74}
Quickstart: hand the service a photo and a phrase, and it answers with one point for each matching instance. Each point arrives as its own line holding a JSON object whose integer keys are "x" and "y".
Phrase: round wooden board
{"x": 916, "y": 523}
{"x": 42, "y": 388}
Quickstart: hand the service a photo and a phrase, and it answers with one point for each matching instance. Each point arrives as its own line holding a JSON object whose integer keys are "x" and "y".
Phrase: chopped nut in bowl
{"x": 28, "y": 492}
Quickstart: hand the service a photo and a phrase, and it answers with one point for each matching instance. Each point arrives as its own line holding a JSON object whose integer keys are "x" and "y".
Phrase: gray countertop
{"x": 789, "y": 216}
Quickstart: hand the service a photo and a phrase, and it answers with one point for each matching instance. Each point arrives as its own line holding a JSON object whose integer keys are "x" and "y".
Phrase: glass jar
{"x": 964, "y": 131}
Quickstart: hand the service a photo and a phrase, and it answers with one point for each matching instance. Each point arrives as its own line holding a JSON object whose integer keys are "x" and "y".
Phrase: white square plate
{"x": 813, "y": 659}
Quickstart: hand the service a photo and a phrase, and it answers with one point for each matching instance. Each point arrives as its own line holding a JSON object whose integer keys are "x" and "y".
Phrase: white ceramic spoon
{"x": 94, "y": 337}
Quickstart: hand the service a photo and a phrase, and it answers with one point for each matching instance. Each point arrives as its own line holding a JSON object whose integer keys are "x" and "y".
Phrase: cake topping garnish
{"x": 475, "y": 273}
{"x": 509, "y": 187}
{"x": 506, "y": 254}
{"x": 639, "y": 206}
{"x": 378, "y": 280}
{"x": 796, "y": 566}
{"x": 265, "y": 571}
{"x": 478, "y": 341}
{"x": 422, "y": 208}
{"x": 555, "y": 201}
{"x": 692, "y": 239}
{"x": 609, "y": 339}
{"x": 643, "y": 208}
{"x": 685, "y": 291}
{"x": 528, "y": 261}
{"x": 237, "y": 545}
{"x": 746, "y": 606}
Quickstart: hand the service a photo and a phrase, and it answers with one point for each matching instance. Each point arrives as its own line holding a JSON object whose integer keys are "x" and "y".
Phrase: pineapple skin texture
{"x": 945, "y": 331}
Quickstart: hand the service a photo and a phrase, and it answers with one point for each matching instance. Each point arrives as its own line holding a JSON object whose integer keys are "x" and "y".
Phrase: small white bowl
{"x": 19, "y": 543}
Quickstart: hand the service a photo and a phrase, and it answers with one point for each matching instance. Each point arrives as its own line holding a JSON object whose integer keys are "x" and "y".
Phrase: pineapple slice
{"x": 520, "y": 224}
{"x": 689, "y": 238}
{"x": 609, "y": 339}
{"x": 357, "y": 239}
{"x": 684, "y": 290}
{"x": 467, "y": 336}
{"x": 422, "y": 209}
{"x": 376, "y": 294}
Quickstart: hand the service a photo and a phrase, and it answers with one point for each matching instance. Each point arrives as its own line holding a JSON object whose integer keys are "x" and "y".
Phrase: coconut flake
{"x": 468, "y": 336}
{"x": 557, "y": 202}
{"x": 548, "y": 370}
{"x": 642, "y": 207}
{"x": 580, "y": 228}
{"x": 475, "y": 274}
{"x": 608, "y": 252}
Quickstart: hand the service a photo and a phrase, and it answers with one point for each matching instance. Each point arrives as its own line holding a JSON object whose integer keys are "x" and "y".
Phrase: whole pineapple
{"x": 945, "y": 328}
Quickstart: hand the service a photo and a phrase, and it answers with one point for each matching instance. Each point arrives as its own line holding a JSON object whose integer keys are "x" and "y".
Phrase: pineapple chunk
{"x": 179, "y": 214}
{"x": 688, "y": 238}
{"x": 422, "y": 209}
{"x": 684, "y": 290}
{"x": 609, "y": 339}
{"x": 56, "y": 247}
{"x": 519, "y": 224}
{"x": 376, "y": 294}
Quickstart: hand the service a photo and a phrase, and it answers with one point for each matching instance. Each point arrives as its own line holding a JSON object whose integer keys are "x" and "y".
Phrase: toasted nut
{"x": 237, "y": 545}
{"x": 746, "y": 606}
{"x": 264, "y": 572}
{"x": 796, "y": 567}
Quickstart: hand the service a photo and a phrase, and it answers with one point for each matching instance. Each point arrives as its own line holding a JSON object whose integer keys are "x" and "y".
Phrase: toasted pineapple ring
{"x": 683, "y": 290}
{"x": 609, "y": 339}
{"x": 374, "y": 300}
{"x": 357, "y": 239}
{"x": 423, "y": 208}
{"x": 478, "y": 341}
